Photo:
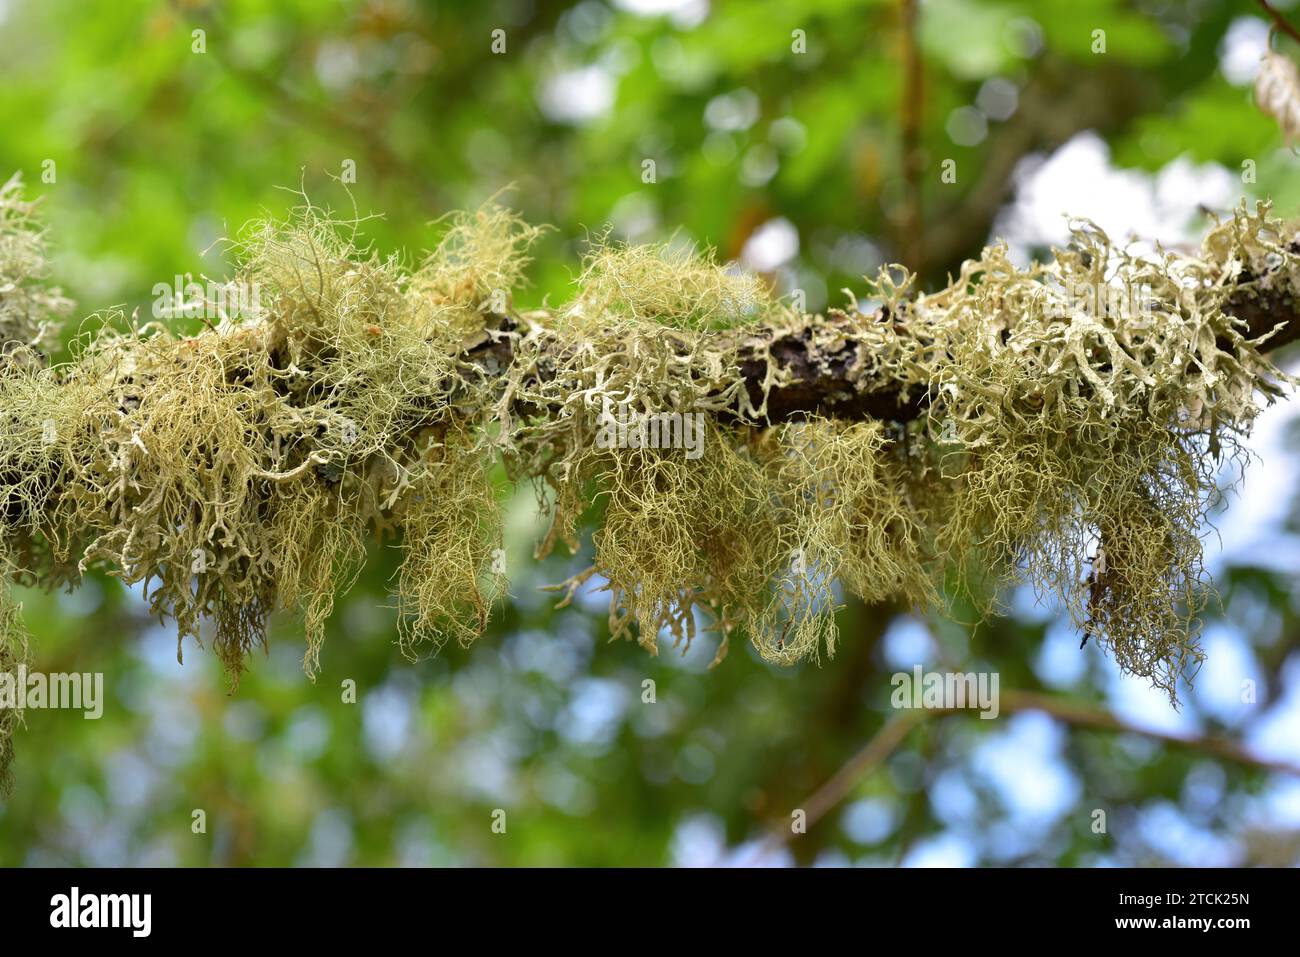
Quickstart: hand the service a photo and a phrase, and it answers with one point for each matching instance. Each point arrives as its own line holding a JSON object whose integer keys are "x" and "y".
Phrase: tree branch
{"x": 816, "y": 378}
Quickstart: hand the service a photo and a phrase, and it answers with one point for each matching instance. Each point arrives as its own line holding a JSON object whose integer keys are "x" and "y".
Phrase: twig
{"x": 913, "y": 224}
{"x": 1280, "y": 21}
{"x": 1078, "y": 715}
{"x": 1083, "y": 716}
{"x": 826, "y": 797}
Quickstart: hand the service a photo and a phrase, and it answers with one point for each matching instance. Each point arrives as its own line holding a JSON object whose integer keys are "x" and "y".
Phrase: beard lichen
{"x": 240, "y": 471}
{"x": 1091, "y": 407}
{"x": 451, "y": 525}
{"x": 13, "y": 653}
{"x": 29, "y": 310}
{"x": 1074, "y": 418}
{"x": 666, "y": 285}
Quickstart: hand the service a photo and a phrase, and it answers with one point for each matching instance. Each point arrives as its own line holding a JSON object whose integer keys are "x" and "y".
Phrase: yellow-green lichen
{"x": 1074, "y": 418}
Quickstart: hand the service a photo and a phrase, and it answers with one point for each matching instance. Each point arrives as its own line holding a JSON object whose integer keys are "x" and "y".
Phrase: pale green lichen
{"x": 13, "y": 653}
{"x": 29, "y": 309}
{"x": 1088, "y": 404}
{"x": 243, "y": 469}
{"x": 669, "y": 284}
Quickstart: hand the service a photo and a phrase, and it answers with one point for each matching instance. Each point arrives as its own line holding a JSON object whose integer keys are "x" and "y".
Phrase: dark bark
{"x": 821, "y": 380}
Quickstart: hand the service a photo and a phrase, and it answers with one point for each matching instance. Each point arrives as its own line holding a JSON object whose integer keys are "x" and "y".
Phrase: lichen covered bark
{"x": 1007, "y": 428}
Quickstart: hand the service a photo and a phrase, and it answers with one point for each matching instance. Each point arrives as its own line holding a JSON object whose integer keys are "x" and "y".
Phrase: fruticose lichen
{"x": 1074, "y": 418}
{"x": 13, "y": 652}
{"x": 29, "y": 310}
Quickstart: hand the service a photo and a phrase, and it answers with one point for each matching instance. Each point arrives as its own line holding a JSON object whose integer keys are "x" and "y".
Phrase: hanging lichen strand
{"x": 1061, "y": 425}
{"x": 29, "y": 313}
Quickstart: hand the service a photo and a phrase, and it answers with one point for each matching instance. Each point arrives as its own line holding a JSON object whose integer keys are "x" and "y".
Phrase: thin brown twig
{"x": 1280, "y": 21}
{"x": 1083, "y": 716}
{"x": 826, "y": 797}
{"x": 913, "y": 223}
{"x": 895, "y": 732}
